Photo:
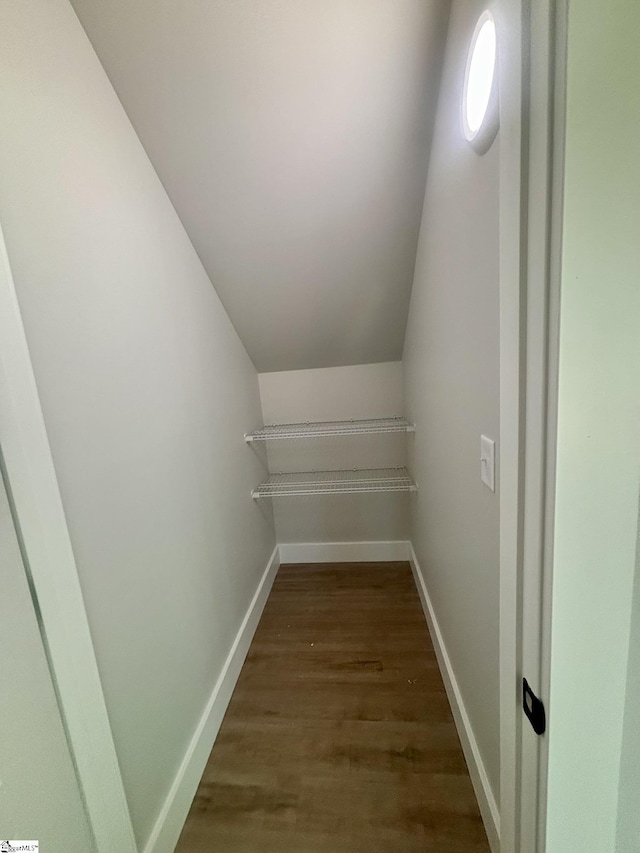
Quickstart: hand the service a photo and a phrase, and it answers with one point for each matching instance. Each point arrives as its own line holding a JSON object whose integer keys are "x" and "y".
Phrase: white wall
{"x": 146, "y": 391}
{"x": 598, "y": 453}
{"x": 452, "y": 394}
{"x": 337, "y": 393}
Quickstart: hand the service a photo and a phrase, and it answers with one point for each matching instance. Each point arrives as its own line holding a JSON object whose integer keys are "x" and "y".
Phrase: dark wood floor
{"x": 339, "y": 737}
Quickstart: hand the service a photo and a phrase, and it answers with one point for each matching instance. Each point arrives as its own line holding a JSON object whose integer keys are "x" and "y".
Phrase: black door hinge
{"x": 533, "y": 708}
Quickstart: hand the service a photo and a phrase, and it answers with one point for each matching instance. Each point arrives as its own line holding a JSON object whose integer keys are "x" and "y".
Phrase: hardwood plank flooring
{"x": 339, "y": 737}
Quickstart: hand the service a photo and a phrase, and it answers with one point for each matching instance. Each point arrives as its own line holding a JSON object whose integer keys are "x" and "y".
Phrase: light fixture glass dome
{"x": 479, "y": 101}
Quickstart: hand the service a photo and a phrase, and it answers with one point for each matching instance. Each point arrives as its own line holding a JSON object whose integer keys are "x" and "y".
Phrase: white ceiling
{"x": 292, "y": 137}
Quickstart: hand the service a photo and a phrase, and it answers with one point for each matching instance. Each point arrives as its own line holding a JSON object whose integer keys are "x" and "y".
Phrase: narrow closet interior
{"x": 262, "y": 319}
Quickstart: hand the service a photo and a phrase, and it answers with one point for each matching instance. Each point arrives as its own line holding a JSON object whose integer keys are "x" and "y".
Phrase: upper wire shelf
{"x": 336, "y": 482}
{"x": 323, "y": 429}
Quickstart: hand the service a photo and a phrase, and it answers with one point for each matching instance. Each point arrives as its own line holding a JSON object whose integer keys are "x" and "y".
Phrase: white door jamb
{"x": 511, "y": 36}
{"x": 53, "y": 578}
{"x": 532, "y": 110}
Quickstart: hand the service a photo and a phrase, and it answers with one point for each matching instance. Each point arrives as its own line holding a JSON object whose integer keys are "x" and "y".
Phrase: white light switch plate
{"x": 488, "y": 462}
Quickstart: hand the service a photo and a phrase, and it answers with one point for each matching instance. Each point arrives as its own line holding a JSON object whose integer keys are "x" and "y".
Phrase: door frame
{"x": 52, "y": 574}
{"x": 531, "y": 184}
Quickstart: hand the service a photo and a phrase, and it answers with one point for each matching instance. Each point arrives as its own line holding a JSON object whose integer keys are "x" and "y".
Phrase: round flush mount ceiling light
{"x": 480, "y": 118}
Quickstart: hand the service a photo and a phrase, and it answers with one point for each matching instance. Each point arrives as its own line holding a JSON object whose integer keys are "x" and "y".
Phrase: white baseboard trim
{"x": 344, "y": 552}
{"x": 477, "y": 771}
{"x": 175, "y": 809}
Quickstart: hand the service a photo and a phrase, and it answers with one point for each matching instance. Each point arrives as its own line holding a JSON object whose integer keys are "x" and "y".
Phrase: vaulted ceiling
{"x": 293, "y": 139}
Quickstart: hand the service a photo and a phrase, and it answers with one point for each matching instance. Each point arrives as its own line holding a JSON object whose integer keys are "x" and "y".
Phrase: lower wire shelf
{"x": 336, "y": 483}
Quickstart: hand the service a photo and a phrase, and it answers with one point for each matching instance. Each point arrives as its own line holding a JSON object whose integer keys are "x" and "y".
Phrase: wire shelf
{"x": 322, "y": 429}
{"x": 336, "y": 483}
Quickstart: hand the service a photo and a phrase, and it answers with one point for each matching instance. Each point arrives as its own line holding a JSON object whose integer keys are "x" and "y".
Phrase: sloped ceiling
{"x": 293, "y": 138}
